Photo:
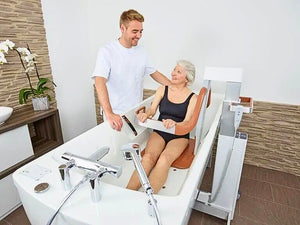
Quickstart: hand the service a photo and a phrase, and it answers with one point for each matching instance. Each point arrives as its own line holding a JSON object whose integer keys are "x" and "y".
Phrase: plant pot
{"x": 41, "y": 103}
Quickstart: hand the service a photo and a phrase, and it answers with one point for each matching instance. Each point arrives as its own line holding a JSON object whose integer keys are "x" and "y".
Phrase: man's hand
{"x": 115, "y": 121}
{"x": 168, "y": 123}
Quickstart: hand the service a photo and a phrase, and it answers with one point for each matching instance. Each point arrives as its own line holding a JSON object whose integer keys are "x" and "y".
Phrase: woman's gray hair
{"x": 189, "y": 70}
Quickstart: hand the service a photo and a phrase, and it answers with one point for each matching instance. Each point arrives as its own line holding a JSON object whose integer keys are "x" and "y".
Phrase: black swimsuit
{"x": 174, "y": 111}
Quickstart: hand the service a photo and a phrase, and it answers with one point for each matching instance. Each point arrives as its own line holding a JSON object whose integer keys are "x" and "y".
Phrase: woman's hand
{"x": 168, "y": 123}
{"x": 142, "y": 117}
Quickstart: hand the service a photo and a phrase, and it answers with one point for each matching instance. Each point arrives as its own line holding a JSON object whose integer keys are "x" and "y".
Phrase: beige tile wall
{"x": 274, "y": 136}
{"x": 21, "y": 21}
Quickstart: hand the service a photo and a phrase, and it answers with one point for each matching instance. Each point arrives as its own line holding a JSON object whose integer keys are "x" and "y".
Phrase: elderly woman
{"x": 176, "y": 104}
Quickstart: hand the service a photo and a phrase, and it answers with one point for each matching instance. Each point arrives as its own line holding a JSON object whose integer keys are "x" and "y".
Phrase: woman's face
{"x": 178, "y": 75}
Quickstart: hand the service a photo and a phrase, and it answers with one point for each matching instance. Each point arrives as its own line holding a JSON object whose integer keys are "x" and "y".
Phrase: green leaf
{"x": 24, "y": 94}
{"x": 42, "y": 82}
{"x": 21, "y": 94}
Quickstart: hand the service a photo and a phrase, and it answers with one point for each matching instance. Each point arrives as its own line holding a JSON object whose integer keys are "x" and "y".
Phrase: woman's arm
{"x": 152, "y": 110}
{"x": 190, "y": 110}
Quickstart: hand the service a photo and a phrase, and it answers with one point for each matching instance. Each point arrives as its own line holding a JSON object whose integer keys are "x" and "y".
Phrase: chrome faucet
{"x": 64, "y": 169}
{"x": 132, "y": 151}
{"x": 92, "y": 166}
{"x": 95, "y": 170}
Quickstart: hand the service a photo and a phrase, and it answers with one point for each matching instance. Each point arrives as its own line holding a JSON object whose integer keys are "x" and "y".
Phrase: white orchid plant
{"x": 28, "y": 61}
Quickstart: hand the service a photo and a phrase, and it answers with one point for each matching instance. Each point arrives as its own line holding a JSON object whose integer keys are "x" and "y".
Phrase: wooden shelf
{"x": 44, "y": 128}
{"x": 25, "y": 116}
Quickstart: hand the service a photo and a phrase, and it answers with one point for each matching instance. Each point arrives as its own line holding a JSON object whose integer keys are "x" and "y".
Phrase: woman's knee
{"x": 150, "y": 158}
{"x": 165, "y": 160}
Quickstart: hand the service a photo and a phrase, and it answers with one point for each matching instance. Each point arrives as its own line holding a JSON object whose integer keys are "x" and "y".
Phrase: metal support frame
{"x": 230, "y": 149}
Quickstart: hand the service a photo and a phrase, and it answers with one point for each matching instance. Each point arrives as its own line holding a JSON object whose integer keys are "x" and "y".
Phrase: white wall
{"x": 67, "y": 37}
{"x": 261, "y": 36}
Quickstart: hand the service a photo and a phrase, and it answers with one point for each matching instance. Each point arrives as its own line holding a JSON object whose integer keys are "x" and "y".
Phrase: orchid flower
{"x": 2, "y": 58}
{"x": 29, "y": 58}
{"x": 30, "y": 68}
{"x": 3, "y": 47}
{"x": 9, "y": 44}
{"x": 23, "y": 51}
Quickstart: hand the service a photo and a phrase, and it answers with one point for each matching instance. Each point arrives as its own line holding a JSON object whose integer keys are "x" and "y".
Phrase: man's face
{"x": 132, "y": 34}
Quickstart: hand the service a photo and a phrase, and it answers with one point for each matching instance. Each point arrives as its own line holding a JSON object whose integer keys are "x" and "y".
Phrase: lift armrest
{"x": 245, "y": 102}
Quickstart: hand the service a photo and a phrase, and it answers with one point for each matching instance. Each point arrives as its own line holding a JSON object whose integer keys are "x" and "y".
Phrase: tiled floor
{"x": 268, "y": 198}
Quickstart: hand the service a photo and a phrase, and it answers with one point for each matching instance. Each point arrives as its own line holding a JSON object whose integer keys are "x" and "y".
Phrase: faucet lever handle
{"x": 100, "y": 153}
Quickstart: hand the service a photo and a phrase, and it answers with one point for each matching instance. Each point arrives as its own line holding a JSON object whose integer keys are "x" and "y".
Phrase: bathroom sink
{"x": 5, "y": 113}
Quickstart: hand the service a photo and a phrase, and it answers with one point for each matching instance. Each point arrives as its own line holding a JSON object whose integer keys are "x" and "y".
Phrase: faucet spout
{"x": 95, "y": 187}
{"x": 64, "y": 171}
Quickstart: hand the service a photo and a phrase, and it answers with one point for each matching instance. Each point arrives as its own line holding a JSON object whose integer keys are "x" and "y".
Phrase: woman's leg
{"x": 172, "y": 151}
{"x": 154, "y": 147}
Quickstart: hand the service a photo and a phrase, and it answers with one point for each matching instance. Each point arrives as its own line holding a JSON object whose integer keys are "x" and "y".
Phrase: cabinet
{"x": 26, "y": 135}
{"x": 15, "y": 145}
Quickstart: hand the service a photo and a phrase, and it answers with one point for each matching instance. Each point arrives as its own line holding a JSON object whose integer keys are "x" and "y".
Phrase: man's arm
{"x": 114, "y": 119}
{"x": 160, "y": 78}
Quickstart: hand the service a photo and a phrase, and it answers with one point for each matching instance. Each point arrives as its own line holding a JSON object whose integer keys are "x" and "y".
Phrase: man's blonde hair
{"x": 130, "y": 15}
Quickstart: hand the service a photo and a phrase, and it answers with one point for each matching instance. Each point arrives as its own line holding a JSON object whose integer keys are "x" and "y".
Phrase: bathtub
{"x": 117, "y": 205}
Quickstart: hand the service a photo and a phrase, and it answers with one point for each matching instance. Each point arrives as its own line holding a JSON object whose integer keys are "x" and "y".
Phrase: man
{"x": 120, "y": 69}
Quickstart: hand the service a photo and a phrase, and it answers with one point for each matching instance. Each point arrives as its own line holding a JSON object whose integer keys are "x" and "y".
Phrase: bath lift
{"x": 231, "y": 145}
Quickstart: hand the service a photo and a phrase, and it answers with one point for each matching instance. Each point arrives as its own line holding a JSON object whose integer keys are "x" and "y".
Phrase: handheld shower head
{"x": 132, "y": 151}
{"x": 129, "y": 148}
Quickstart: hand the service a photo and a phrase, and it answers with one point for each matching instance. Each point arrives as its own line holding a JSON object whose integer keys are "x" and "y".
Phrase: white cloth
{"x": 124, "y": 69}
